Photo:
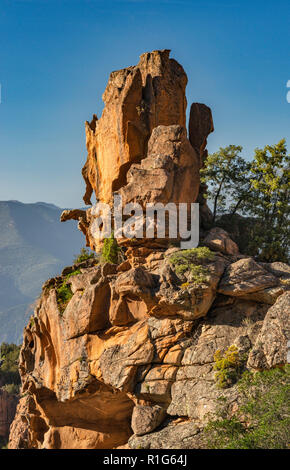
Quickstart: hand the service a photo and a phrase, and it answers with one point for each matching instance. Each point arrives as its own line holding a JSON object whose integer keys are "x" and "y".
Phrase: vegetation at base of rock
{"x": 262, "y": 420}
{"x": 3, "y": 443}
{"x": 111, "y": 250}
{"x": 258, "y": 189}
{"x": 186, "y": 260}
{"x": 83, "y": 256}
{"x": 12, "y": 389}
{"x": 9, "y": 375}
{"x": 228, "y": 366}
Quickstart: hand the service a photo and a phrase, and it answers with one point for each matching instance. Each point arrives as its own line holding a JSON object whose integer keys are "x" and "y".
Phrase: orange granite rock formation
{"x": 141, "y": 141}
{"x": 137, "y": 99}
{"x": 134, "y": 347}
{"x": 128, "y": 360}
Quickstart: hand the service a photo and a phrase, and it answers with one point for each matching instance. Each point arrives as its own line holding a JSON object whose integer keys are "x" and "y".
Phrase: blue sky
{"x": 56, "y": 56}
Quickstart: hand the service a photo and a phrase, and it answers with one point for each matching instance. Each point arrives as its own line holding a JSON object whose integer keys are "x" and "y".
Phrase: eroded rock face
{"x": 169, "y": 173}
{"x": 194, "y": 393}
{"x": 143, "y": 355}
{"x": 146, "y": 418}
{"x": 272, "y": 344}
{"x": 137, "y": 100}
{"x": 128, "y": 360}
{"x": 219, "y": 240}
{"x": 200, "y": 126}
{"x": 247, "y": 279}
{"x": 141, "y": 141}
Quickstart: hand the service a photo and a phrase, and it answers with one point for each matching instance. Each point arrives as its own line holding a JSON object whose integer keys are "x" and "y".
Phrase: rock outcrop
{"x": 134, "y": 349}
{"x": 128, "y": 359}
{"x": 137, "y": 99}
{"x": 141, "y": 141}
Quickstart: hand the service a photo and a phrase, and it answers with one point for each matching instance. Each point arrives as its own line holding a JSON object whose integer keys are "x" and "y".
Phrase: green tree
{"x": 9, "y": 354}
{"x": 259, "y": 189}
{"x": 83, "y": 256}
{"x": 262, "y": 419}
{"x": 268, "y": 201}
{"x": 226, "y": 175}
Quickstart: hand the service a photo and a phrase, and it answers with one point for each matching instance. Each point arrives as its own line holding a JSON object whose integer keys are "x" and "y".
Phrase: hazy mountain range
{"x": 34, "y": 245}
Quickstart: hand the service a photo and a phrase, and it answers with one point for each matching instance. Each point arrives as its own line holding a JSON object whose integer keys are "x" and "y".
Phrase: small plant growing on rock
{"x": 64, "y": 295}
{"x": 31, "y": 322}
{"x": 110, "y": 251}
{"x": 73, "y": 273}
{"x": 83, "y": 256}
{"x": 187, "y": 260}
{"x": 185, "y": 285}
{"x": 12, "y": 389}
{"x": 247, "y": 322}
{"x": 64, "y": 292}
{"x": 228, "y": 366}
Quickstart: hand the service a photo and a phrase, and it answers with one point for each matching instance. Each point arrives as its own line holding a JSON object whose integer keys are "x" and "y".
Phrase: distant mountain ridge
{"x": 34, "y": 245}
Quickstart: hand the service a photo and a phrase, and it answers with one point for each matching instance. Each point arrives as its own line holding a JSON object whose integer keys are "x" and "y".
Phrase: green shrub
{"x": 12, "y": 389}
{"x": 73, "y": 273}
{"x": 64, "y": 292}
{"x": 9, "y": 354}
{"x": 111, "y": 250}
{"x": 83, "y": 256}
{"x": 187, "y": 260}
{"x": 228, "y": 366}
{"x": 262, "y": 420}
{"x": 64, "y": 295}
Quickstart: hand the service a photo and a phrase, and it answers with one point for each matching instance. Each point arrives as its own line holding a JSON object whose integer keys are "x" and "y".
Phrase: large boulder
{"x": 218, "y": 239}
{"x": 146, "y": 418}
{"x": 169, "y": 173}
{"x": 245, "y": 277}
{"x": 272, "y": 344}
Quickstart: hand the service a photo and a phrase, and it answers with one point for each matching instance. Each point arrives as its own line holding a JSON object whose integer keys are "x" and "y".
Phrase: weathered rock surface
{"x": 94, "y": 380}
{"x": 140, "y": 141}
{"x": 146, "y": 418}
{"x": 137, "y": 100}
{"x": 194, "y": 392}
{"x": 200, "y": 126}
{"x": 246, "y": 277}
{"x": 219, "y": 240}
{"x": 174, "y": 436}
{"x": 169, "y": 173}
{"x": 271, "y": 346}
{"x": 128, "y": 360}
